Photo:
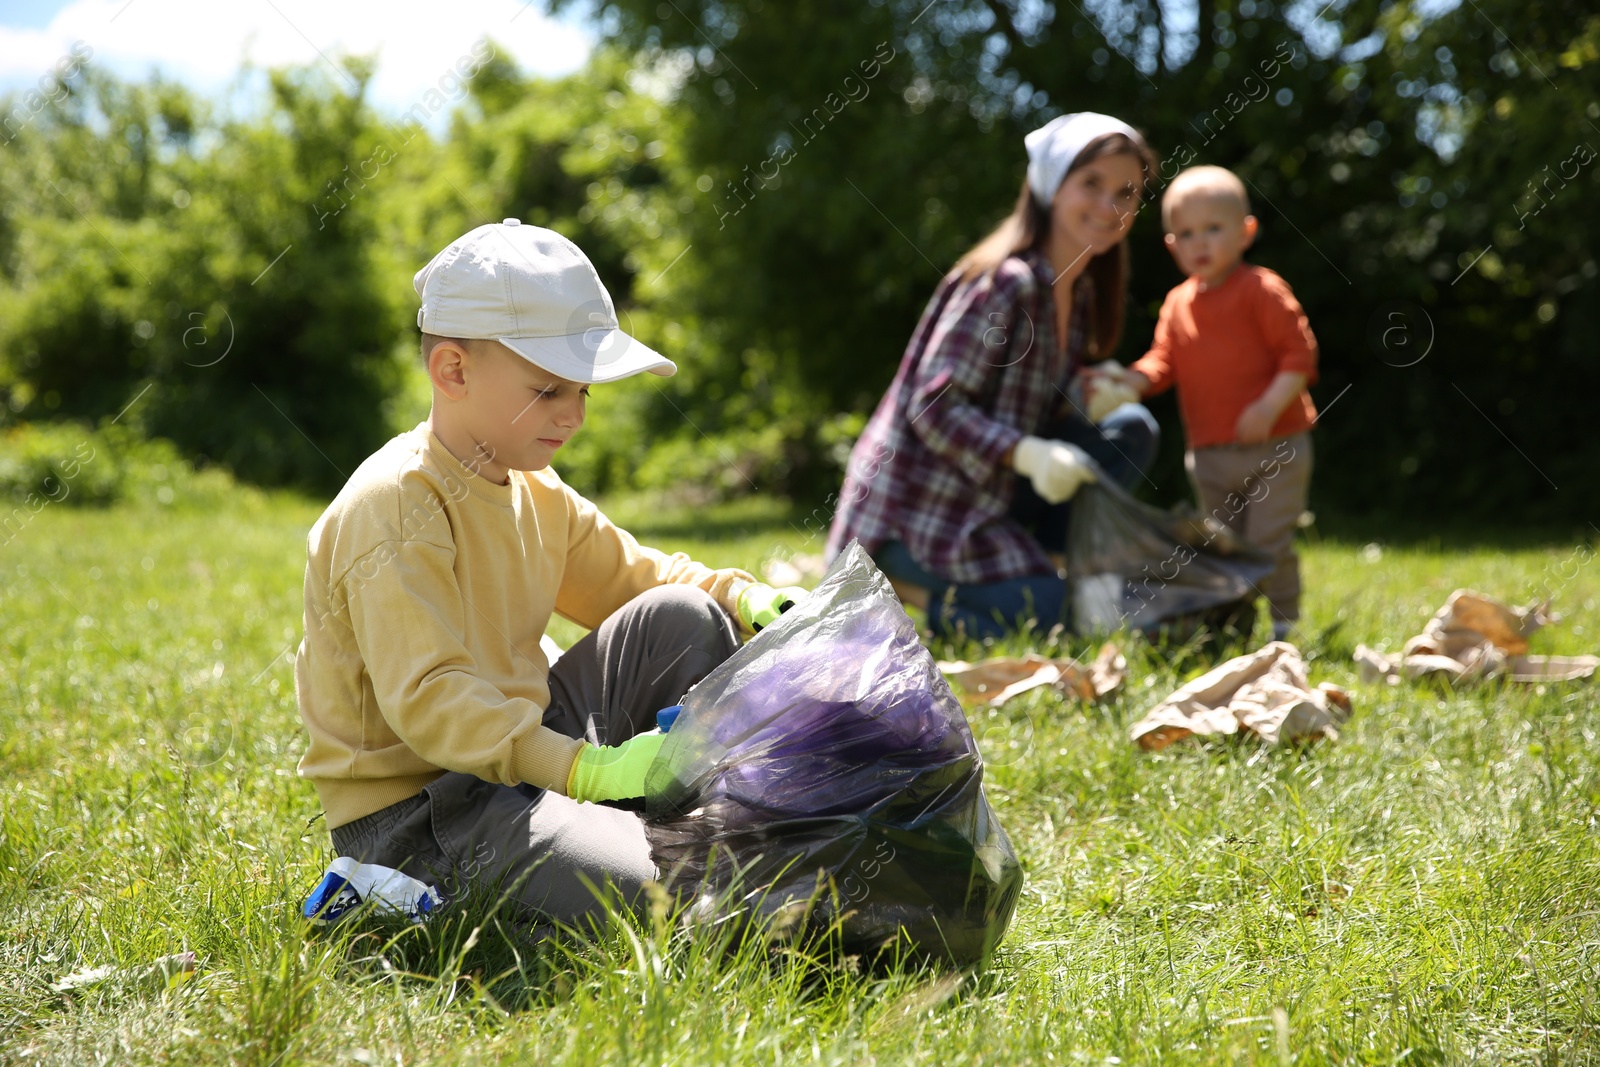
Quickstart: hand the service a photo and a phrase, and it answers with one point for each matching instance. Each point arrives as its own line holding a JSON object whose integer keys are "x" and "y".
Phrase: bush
{"x": 74, "y": 464}
{"x": 219, "y": 273}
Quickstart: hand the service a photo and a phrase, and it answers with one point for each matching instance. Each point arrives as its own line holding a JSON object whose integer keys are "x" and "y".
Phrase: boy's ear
{"x": 1250, "y": 228}
{"x": 1171, "y": 241}
{"x": 447, "y": 369}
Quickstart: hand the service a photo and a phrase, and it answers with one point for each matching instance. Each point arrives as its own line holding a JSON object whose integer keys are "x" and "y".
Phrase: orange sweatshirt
{"x": 427, "y": 590}
{"x": 1223, "y": 347}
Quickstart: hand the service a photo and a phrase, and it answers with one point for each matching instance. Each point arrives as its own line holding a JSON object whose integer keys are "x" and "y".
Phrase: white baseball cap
{"x": 1053, "y": 147}
{"x": 535, "y": 292}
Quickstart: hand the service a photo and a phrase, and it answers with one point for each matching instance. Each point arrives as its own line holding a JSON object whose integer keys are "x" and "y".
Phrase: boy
{"x": 1235, "y": 343}
{"x": 442, "y": 742}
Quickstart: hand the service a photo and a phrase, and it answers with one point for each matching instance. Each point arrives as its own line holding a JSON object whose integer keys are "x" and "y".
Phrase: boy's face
{"x": 516, "y": 415}
{"x": 1208, "y": 235}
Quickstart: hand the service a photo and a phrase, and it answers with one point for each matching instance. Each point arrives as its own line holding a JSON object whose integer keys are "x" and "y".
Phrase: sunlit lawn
{"x": 1426, "y": 890}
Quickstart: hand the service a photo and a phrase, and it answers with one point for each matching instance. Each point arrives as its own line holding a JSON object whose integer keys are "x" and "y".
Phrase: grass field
{"x": 1425, "y": 891}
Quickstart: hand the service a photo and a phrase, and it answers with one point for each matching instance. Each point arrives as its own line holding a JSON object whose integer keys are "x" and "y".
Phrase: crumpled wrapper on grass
{"x": 996, "y": 681}
{"x": 1472, "y": 638}
{"x": 164, "y": 972}
{"x": 1264, "y": 693}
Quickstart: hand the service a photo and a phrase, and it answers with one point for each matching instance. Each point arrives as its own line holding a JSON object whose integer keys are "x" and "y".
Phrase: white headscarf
{"x": 1053, "y": 147}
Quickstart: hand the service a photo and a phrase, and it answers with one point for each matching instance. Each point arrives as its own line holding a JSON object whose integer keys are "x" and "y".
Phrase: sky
{"x": 202, "y": 43}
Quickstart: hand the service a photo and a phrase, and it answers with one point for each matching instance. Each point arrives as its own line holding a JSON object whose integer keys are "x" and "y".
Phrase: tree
{"x": 236, "y": 291}
{"x": 836, "y": 199}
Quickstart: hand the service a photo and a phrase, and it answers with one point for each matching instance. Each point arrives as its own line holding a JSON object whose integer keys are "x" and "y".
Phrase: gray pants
{"x": 1259, "y": 491}
{"x": 547, "y": 852}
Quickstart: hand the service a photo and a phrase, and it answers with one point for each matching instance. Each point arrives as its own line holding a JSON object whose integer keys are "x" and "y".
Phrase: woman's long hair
{"x": 1028, "y": 226}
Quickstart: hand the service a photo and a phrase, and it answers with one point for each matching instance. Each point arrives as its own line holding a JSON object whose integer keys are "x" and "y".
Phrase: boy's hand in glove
{"x": 760, "y": 605}
{"x": 1056, "y": 469}
{"x": 613, "y": 772}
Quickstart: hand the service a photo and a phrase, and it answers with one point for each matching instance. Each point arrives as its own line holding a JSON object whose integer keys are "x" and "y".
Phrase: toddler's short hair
{"x": 1211, "y": 183}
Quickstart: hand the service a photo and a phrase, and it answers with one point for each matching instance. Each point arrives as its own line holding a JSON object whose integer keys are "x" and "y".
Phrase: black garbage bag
{"x": 1161, "y": 572}
{"x": 826, "y": 771}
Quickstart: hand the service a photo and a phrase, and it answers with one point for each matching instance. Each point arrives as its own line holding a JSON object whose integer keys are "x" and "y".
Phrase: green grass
{"x": 1427, "y": 890}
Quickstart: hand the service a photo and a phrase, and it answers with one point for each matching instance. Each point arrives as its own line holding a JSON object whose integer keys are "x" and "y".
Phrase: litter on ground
{"x": 997, "y": 680}
{"x": 1476, "y": 637}
{"x": 1264, "y": 693}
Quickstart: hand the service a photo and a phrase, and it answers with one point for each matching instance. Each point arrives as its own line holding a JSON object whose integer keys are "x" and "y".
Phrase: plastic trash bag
{"x": 827, "y": 761}
{"x": 1130, "y": 564}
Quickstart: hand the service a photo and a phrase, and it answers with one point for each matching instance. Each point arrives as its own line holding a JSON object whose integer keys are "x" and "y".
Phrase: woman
{"x": 959, "y": 486}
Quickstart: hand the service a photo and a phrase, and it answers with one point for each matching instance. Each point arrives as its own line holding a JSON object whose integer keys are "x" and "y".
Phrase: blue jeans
{"x": 982, "y": 609}
{"x": 1123, "y": 445}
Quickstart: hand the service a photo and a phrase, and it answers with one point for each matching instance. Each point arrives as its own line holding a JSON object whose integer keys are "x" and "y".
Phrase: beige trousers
{"x": 1259, "y": 491}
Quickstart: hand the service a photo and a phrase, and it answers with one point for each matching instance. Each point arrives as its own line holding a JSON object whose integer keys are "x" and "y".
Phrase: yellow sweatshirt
{"x": 427, "y": 590}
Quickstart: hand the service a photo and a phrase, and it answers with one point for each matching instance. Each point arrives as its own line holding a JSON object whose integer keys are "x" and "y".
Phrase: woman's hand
{"x": 1104, "y": 394}
{"x": 1108, "y": 385}
{"x": 1056, "y": 469}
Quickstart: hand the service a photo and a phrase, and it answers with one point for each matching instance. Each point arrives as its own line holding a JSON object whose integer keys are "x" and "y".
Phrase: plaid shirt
{"x": 982, "y": 370}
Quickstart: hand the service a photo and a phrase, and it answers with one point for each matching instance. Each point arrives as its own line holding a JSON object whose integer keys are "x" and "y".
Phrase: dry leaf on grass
{"x": 1264, "y": 693}
{"x": 167, "y": 971}
{"x": 997, "y": 680}
{"x": 1532, "y": 669}
{"x": 1475, "y": 637}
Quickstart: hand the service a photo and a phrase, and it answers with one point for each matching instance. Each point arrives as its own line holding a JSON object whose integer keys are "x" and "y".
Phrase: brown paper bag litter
{"x": 998, "y": 680}
{"x": 1264, "y": 693}
{"x": 1475, "y": 637}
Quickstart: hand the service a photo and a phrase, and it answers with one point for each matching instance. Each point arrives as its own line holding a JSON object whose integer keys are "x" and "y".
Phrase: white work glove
{"x": 1106, "y": 394}
{"x": 1055, "y": 468}
{"x": 1107, "y": 385}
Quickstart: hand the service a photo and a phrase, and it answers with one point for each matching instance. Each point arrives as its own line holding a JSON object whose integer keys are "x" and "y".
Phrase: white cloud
{"x": 202, "y": 44}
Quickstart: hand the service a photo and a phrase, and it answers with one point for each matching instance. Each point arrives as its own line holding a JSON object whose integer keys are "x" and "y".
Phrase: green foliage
{"x": 1386, "y": 146}
{"x": 71, "y": 463}
{"x": 57, "y": 462}
{"x": 150, "y": 247}
{"x": 299, "y": 396}
{"x": 772, "y": 196}
{"x": 1502, "y": 154}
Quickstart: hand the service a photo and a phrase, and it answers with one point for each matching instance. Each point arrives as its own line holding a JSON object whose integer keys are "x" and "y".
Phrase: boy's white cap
{"x": 535, "y": 292}
{"x": 1053, "y": 147}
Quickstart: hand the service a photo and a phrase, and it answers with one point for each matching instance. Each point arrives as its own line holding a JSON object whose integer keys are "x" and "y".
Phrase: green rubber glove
{"x": 760, "y": 605}
{"x": 613, "y": 772}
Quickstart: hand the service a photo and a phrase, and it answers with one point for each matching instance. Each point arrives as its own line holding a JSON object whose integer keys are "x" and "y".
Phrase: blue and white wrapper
{"x": 349, "y": 884}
